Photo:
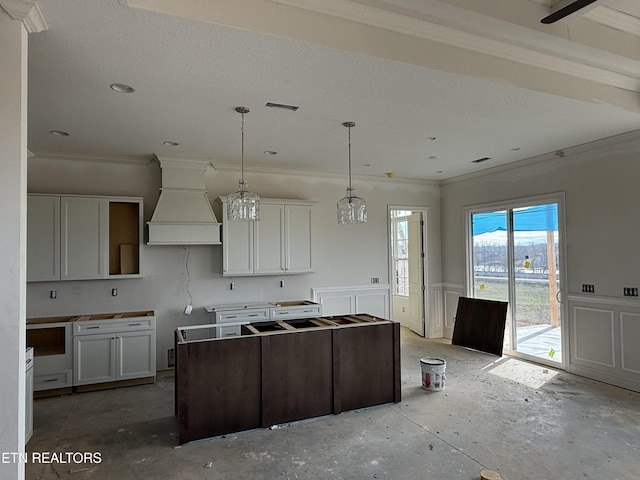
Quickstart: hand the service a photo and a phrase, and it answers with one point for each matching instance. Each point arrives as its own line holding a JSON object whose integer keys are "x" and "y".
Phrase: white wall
{"x": 602, "y": 222}
{"x": 602, "y": 236}
{"x": 13, "y": 154}
{"x": 344, "y": 255}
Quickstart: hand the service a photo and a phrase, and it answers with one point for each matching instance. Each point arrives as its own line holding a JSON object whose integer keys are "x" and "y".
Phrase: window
{"x": 400, "y": 244}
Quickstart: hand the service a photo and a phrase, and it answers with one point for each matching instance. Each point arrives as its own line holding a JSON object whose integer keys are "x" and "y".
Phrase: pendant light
{"x": 351, "y": 209}
{"x": 244, "y": 205}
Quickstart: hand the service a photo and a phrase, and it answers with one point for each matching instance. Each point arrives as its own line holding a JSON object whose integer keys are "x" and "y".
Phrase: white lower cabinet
{"x": 110, "y": 351}
{"x": 222, "y": 316}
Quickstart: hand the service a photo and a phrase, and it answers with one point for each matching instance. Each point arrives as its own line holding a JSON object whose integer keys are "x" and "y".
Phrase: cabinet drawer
{"x": 303, "y": 311}
{"x": 52, "y": 380}
{"x": 249, "y": 315}
{"x": 224, "y": 332}
{"x": 110, "y": 326}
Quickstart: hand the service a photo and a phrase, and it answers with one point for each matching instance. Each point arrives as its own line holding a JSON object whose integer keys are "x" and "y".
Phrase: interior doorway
{"x": 407, "y": 267}
{"x": 516, "y": 257}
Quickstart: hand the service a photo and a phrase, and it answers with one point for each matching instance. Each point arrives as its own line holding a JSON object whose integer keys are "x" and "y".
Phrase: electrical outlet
{"x": 588, "y": 288}
{"x": 375, "y": 279}
{"x": 188, "y": 309}
{"x": 171, "y": 357}
{"x": 232, "y": 286}
{"x": 114, "y": 292}
{"x": 53, "y": 294}
{"x": 630, "y": 291}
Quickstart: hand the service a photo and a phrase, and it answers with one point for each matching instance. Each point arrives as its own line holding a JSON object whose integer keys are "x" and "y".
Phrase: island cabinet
{"x": 281, "y": 371}
{"x": 277, "y": 244}
{"x": 72, "y": 237}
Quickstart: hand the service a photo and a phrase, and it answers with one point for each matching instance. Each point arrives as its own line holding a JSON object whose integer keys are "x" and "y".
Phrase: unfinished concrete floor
{"x": 522, "y": 420}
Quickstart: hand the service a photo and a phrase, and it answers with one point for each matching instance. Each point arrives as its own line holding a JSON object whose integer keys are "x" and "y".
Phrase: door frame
{"x": 426, "y": 289}
{"x": 559, "y": 199}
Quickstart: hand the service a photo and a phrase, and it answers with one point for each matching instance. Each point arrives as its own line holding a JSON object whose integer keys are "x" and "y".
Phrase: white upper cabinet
{"x": 43, "y": 238}
{"x": 81, "y": 238}
{"x": 279, "y": 243}
{"x": 269, "y": 240}
{"x": 298, "y": 239}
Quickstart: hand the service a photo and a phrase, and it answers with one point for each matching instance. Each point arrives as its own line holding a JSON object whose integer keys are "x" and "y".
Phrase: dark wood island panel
{"x": 297, "y": 377}
{"x": 366, "y": 364}
{"x": 218, "y": 387}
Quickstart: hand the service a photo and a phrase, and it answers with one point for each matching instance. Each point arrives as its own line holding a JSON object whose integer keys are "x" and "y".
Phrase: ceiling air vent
{"x": 480, "y": 160}
{"x": 282, "y": 105}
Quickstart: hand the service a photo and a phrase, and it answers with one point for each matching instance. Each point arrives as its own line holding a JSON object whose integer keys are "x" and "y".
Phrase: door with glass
{"x": 515, "y": 255}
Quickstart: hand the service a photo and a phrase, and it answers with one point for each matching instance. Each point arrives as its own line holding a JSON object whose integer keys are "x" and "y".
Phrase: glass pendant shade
{"x": 243, "y": 205}
{"x": 351, "y": 208}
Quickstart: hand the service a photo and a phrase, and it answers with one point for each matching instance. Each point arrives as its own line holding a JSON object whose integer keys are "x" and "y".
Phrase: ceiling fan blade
{"x": 566, "y": 10}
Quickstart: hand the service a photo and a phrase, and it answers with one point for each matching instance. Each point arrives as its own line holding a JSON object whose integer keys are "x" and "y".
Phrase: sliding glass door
{"x": 515, "y": 257}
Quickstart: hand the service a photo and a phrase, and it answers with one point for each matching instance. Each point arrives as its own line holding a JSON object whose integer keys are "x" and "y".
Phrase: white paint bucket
{"x": 433, "y": 373}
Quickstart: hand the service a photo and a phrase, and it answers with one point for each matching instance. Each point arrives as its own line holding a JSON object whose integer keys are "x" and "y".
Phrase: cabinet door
{"x": 43, "y": 238}
{"x": 94, "y": 358}
{"x": 136, "y": 354}
{"x": 269, "y": 240}
{"x": 84, "y": 237}
{"x": 237, "y": 246}
{"x": 298, "y": 238}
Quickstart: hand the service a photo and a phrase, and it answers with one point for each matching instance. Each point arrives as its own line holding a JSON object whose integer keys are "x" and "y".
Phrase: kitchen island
{"x": 282, "y": 370}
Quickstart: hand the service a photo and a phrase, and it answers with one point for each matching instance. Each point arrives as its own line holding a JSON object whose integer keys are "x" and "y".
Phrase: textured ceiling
{"x": 189, "y": 75}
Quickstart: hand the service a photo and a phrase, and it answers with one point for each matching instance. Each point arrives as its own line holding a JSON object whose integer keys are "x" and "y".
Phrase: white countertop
{"x": 239, "y": 306}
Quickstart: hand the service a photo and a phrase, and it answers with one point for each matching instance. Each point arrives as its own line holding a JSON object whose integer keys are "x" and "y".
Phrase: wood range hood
{"x": 183, "y": 214}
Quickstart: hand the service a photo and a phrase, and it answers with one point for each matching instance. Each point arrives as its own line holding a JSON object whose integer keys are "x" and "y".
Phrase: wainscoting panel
{"x": 435, "y": 320}
{"x": 593, "y": 337}
{"x": 630, "y": 336}
{"x": 605, "y": 333}
{"x": 451, "y": 295}
{"x": 350, "y": 300}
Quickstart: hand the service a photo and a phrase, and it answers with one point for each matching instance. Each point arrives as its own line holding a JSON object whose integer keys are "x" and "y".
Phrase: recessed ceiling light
{"x": 121, "y": 88}
{"x": 438, "y": 171}
{"x": 515, "y": 149}
{"x": 431, "y": 138}
{"x": 59, "y": 133}
{"x": 434, "y": 157}
{"x": 480, "y": 160}
{"x": 366, "y": 164}
{"x": 270, "y": 152}
{"x": 171, "y": 144}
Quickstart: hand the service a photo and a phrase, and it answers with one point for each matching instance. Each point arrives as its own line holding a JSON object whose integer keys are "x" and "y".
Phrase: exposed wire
{"x": 186, "y": 268}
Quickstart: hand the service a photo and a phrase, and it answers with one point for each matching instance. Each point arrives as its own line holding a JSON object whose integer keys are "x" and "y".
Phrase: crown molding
{"x": 528, "y": 54}
{"x": 141, "y": 160}
{"x": 144, "y": 160}
{"x": 188, "y": 163}
{"x": 382, "y": 178}
{"x": 26, "y": 11}
{"x": 622, "y": 143}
